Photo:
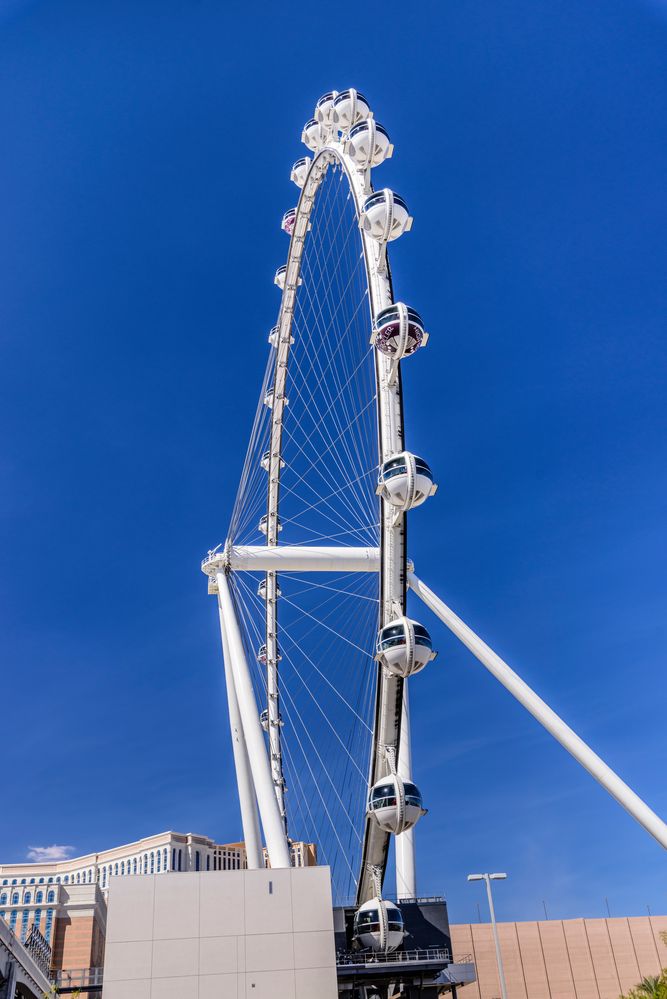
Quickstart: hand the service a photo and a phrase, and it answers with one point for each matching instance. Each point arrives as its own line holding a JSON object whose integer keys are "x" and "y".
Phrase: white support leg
{"x": 247, "y": 802}
{"x": 406, "y": 870}
{"x": 274, "y": 831}
{"x": 612, "y": 783}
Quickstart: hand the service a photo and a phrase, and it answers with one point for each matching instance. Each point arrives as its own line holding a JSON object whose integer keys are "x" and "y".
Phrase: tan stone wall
{"x": 73, "y": 942}
{"x": 563, "y": 959}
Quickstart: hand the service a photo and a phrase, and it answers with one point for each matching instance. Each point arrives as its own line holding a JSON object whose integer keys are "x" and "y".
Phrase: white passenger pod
{"x": 264, "y": 719}
{"x": 266, "y": 461}
{"x": 349, "y": 108}
{"x": 368, "y": 144}
{"x": 314, "y": 135}
{"x": 404, "y": 647}
{"x": 264, "y": 522}
{"x": 395, "y": 804}
{"x": 398, "y": 331}
{"x": 384, "y": 216}
{"x": 262, "y": 657}
{"x": 405, "y": 481}
{"x": 300, "y": 171}
{"x": 274, "y": 336}
{"x": 378, "y": 926}
{"x": 289, "y": 219}
{"x": 261, "y": 590}
{"x": 324, "y": 109}
{"x": 281, "y": 278}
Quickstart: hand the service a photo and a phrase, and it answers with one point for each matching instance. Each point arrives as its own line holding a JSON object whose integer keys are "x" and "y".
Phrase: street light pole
{"x": 488, "y": 878}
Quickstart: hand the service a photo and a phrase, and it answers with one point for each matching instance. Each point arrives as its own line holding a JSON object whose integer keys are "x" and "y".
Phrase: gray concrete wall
{"x": 221, "y": 935}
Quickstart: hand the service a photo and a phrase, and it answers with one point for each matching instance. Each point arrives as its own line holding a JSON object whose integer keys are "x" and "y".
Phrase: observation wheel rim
{"x": 360, "y": 187}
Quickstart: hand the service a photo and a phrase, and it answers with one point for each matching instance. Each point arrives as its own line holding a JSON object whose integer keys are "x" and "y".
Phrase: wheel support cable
{"x": 577, "y": 748}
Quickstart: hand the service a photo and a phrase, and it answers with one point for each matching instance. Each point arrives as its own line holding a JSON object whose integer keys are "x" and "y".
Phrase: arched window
{"x": 41, "y": 881}
{"x": 115, "y": 870}
{"x": 145, "y": 863}
{"x": 13, "y": 918}
{"x": 23, "y": 881}
{"x": 50, "y": 881}
{"x": 104, "y": 877}
{"x": 14, "y": 881}
{"x": 32, "y": 881}
{"x": 66, "y": 879}
{"x": 24, "y": 924}
{"x": 122, "y": 867}
{"x": 78, "y": 877}
{"x": 165, "y": 856}
{"x": 27, "y": 898}
{"x": 51, "y": 897}
{"x": 159, "y": 861}
{"x": 197, "y": 860}
{"x": 180, "y": 858}
{"x": 173, "y": 858}
{"x": 6, "y": 881}
{"x": 15, "y": 898}
{"x": 38, "y": 918}
{"x": 49, "y": 922}
{"x": 39, "y": 897}
{"x": 152, "y": 862}
{"x": 134, "y": 866}
{"x": 90, "y": 876}
{"x": 3, "y": 898}
{"x": 58, "y": 880}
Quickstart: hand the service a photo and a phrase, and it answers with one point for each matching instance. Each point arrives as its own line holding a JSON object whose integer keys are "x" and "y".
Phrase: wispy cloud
{"x": 44, "y": 854}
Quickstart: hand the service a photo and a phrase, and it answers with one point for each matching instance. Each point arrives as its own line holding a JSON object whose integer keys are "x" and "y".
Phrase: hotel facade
{"x": 65, "y": 900}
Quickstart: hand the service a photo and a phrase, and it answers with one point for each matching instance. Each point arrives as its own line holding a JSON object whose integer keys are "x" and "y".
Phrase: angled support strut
{"x": 596, "y": 767}
{"x": 274, "y": 830}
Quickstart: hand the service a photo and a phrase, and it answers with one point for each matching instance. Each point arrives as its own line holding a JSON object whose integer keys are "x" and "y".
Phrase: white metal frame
{"x": 259, "y": 775}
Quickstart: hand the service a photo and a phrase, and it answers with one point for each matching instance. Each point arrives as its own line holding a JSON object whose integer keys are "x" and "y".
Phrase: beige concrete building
{"x": 563, "y": 959}
{"x": 266, "y": 934}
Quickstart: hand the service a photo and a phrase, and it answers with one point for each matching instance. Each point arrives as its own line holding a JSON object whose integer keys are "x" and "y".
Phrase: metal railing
{"x": 79, "y": 978}
{"x": 425, "y": 955}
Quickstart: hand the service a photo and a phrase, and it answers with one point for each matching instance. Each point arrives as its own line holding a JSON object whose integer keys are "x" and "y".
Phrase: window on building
{"x": 3, "y": 898}
{"x": 145, "y": 863}
{"x": 13, "y": 918}
{"x": 152, "y": 862}
{"x": 196, "y": 860}
{"x": 23, "y": 881}
{"x": 32, "y": 881}
{"x": 24, "y": 924}
{"x": 51, "y": 897}
{"x": 180, "y": 858}
{"x": 38, "y": 918}
{"x": 49, "y": 923}
{"x": 134, "y": 866}
{"x": 104, "y": 877}
{"x": 39, "y": 897}
{"x": 78, "y": 877}
{"x": 90, "y": 876}
{"x": 15, "y": 898}
{"x": 14, "y": 881}
{"x": 41, "y": 881}
{"x": 66, "y": 879}
{"x": 3, "y": 915}
{"x": 50, "y": 881}
{"x": 159, "y": 861}
{"x": 165, "y": 857}
{"x": 208, "y": 861}
{"x": 5, "y": 882}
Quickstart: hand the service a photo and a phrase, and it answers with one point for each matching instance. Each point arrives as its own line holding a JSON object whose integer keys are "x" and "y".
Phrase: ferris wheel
{"x": 312, "y": 581}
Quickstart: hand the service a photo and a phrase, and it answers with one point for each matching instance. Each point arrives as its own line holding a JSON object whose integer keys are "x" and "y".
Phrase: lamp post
{"x": 488, "y": 878}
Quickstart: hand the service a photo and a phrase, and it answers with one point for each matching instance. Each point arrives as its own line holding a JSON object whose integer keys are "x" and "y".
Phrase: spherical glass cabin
{"x": 313, "y": 134}
{"x": 349, "y": 108}
{"x": 404, "y": 647}
{"x": 395, "y": 804}
{"x": 325, "y": 107}
{"x": 406, "y": 480}
{"x": 378, "y": 926}
{"x": 368, "y": 144}
{"x": 398, "y": 330}
{"x": 299, "y": 171}
{"x": 385, "y": 216}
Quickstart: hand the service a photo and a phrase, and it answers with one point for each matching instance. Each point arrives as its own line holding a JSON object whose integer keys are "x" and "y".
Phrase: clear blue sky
{"x": 144, "y": 171}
